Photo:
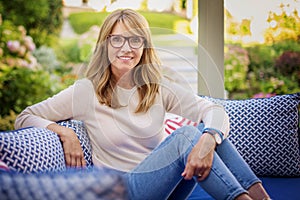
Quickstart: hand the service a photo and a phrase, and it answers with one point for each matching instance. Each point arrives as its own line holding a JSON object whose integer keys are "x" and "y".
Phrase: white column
{"x": 211, "y": 48}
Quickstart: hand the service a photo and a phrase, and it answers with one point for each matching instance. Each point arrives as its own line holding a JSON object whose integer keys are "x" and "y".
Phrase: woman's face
{"x": 124, "y": 50}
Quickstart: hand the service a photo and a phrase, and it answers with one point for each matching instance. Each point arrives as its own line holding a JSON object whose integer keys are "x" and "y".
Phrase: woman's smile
{"x": 125, "y": 58}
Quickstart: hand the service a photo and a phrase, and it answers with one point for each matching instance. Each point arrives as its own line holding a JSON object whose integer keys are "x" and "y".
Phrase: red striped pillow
{"x": 171, "y": 124}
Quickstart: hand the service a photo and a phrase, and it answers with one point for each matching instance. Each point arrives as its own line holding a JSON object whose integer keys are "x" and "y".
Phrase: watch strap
{"x": 213, "y": 131}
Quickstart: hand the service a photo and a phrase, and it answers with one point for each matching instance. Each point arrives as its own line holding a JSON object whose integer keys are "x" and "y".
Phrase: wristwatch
{"x": 218, "y": 135}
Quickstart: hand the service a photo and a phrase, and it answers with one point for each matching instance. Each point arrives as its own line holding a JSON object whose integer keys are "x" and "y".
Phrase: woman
{"x": 123, "y": 101}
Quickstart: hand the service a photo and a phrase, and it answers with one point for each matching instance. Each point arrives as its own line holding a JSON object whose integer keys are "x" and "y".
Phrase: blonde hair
{"x": 146, "y": 75}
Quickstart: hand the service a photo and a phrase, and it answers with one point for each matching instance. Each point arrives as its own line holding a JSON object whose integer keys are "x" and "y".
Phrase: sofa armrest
{"x": 38, "y": 149}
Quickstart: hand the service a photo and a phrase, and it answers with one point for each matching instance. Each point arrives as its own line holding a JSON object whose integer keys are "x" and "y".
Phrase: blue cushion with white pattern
{"x": 91, "y": 184}
{"x": 265, "y": 132}
{"x": 38, "y": 149}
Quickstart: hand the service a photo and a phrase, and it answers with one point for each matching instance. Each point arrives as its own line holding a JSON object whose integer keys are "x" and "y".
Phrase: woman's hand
{"x": 200, "y": 158}
{"x": 71, "y": 145}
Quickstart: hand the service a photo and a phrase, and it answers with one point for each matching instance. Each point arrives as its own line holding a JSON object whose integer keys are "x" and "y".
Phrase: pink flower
{"x": 28, "y": 42}
{"x": 258, "y": 95}
{"x": 270, "y": 95}
{"x": 32, "y": 62}
{"x": 10, "y": 62}
{"x": 22, "y": 51}
{"x": 13, "y": 46}
{"x": 22, "y": 63}
{"x": 262, "y": 95}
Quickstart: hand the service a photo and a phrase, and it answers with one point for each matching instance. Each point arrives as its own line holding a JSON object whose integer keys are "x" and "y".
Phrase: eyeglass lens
{"x": 118, "y": 41}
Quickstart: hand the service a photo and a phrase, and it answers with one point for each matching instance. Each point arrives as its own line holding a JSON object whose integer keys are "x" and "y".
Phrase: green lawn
{"x": 160, "y": 23}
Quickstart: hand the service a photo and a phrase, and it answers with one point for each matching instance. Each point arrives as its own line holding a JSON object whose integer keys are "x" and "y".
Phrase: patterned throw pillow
{"x": 31, "y": 150}
{"x": 39, "y": 150}
{"x": 91, "y": 184}
{"x": 265, "y": 132}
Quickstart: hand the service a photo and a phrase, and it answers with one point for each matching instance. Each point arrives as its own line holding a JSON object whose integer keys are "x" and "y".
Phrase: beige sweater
{"x": 120, "y": 138}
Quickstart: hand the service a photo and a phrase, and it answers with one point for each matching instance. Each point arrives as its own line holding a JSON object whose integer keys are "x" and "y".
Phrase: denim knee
{"x": 191, "y": 133}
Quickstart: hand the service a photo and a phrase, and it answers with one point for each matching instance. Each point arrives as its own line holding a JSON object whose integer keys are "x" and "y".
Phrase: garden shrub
{"x": 42, "y": 18}
{"x": 273, "y": 69}
{"x": 23, "y": 80}
{"x": 68, "y": 50}
{"x": 80, "y": 49}
{"x": 7, "y": 121}
{"x": 286, "y": 45}
{"x": 16, "y": 46}
{"x": 236, "y": 63}
{"x": 262, "y": 59}
{"x": 21, "y": 87}
{"x": 46, "y": 57}
{"x": 288, "y": 64}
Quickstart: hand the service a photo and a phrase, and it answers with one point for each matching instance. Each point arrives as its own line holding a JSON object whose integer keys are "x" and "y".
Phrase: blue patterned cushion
{"x": 31, "y": 150}
{"x": 39, "y": 150}
{"x": 91, "y": 184}
{"x": 265, "y": 132}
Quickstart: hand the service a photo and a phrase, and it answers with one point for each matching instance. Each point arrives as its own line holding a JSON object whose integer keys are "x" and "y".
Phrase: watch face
{"x": 218, "y": 139}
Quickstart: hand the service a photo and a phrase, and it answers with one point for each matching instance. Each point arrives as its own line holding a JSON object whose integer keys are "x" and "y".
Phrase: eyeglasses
{"x": 118, "y": 41}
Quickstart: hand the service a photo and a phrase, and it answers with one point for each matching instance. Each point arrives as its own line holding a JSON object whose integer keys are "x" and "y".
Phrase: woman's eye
{"x": 136, "y": 40}
{"x": 117, "y": 39}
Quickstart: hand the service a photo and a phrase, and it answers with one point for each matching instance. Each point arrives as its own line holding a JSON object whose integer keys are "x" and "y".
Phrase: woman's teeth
{"x": 124, "y": 57}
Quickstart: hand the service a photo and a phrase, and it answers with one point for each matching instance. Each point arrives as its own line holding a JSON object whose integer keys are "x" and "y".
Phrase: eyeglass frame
{"x": 126, "y": 39}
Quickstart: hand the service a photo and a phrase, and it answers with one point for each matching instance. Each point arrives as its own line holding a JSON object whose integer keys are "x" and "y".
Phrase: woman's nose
{"x": 126, "y": 47}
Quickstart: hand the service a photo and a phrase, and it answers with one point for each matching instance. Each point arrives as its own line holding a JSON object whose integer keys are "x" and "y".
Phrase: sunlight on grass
{"x": 81, "y": 22}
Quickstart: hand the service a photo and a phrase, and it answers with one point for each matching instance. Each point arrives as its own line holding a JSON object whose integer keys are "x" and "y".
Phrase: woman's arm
{"x": 45, "y": 115}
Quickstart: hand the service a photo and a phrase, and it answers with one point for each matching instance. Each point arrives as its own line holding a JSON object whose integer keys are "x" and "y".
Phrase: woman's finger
{"x": 203, "y": 175}
{"x": 73, "y": 161}
{"x": 68, "y": 159}
{"x": 78, "y": 162}
{"x": 83, "y": 163}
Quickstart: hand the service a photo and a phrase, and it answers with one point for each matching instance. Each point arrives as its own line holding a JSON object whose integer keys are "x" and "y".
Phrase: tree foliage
{"x": 42, "y": 19}
{"x": 283, "y": 26}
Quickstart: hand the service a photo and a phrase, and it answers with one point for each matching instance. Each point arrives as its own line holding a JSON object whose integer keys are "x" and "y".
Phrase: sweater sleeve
{"x": 53, "y": 109}
{"x": 179, "y": 101}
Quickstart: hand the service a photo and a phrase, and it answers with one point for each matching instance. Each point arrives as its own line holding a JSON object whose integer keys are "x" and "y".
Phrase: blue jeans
{"x": 159, "y": 175}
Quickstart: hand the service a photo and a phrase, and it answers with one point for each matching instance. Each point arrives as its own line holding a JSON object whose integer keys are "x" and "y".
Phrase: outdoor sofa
{"x": 265, "y": 131}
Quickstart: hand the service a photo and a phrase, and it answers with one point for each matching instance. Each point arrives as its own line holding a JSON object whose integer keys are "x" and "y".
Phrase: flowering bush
{"x": 16, "y": 47}
{"x": 236, "y": 68}
{"x": 23, "y": 80}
